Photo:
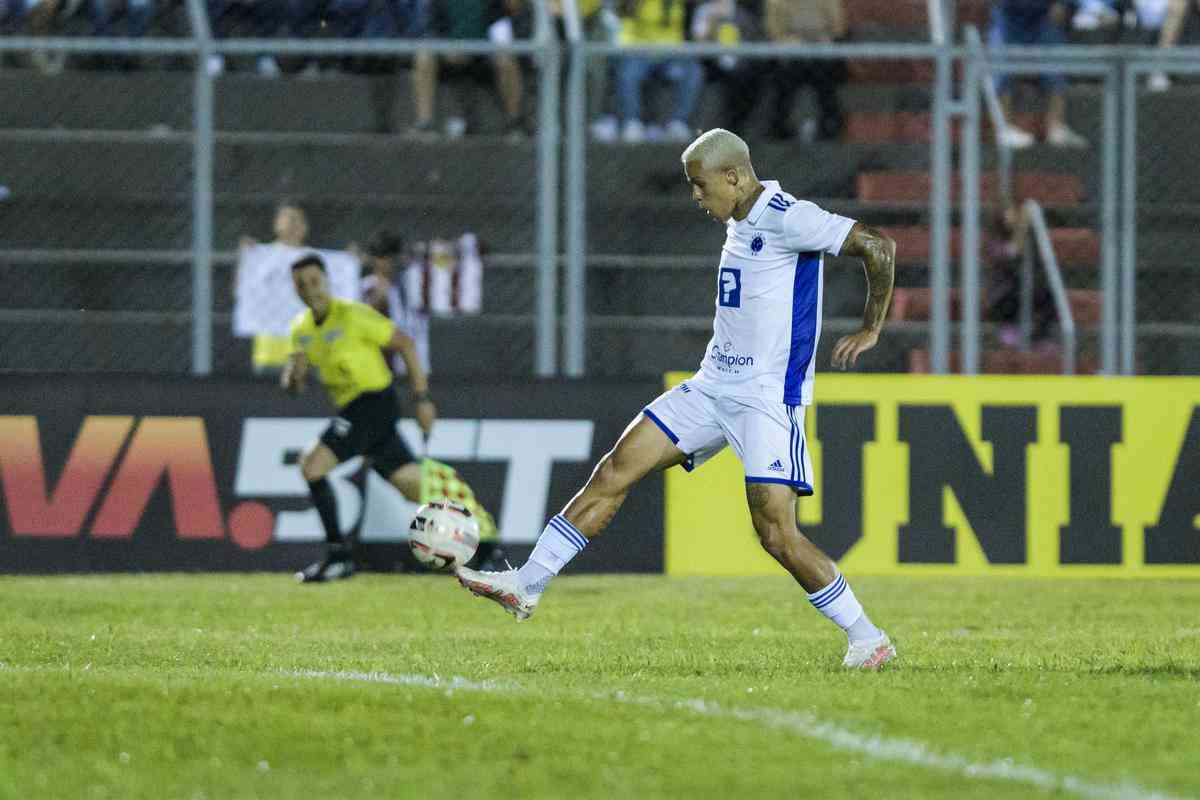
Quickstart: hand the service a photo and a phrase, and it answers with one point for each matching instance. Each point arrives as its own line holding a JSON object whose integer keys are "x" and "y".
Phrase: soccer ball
{"x": 443, "y": 535}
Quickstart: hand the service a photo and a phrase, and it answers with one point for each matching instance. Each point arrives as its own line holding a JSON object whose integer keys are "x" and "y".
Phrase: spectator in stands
{"x": 267, "y": 16}
{"x": 383, "y": 289}
{"x": 794, "y": 21}
{"x": 343, "y": 19}
{"x": 270, "y": 353}
{"x": 1172, "y": 22}
{"x": 44, "y": 15}
{"x": 1004, "y": 249}
{"x": 498, "y": 21}
{"x": 1031, "y": 23}
{"x": 651, "y": 22}
{"x": 726, "y": 22}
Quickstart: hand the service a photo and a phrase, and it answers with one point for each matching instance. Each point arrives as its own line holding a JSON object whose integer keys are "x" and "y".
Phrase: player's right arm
{"x": 878, "y": 254}
{"x": 295, "y": 371}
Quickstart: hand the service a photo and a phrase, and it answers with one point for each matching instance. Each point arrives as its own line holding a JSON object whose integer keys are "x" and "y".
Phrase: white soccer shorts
{"x": 768, "y": 437}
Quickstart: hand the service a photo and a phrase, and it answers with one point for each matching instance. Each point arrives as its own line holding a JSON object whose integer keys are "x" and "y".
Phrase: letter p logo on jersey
{"x": 729, "y": 288}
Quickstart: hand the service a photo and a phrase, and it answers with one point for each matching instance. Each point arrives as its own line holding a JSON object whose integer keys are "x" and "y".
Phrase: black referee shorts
{"x": 366, "y": 426}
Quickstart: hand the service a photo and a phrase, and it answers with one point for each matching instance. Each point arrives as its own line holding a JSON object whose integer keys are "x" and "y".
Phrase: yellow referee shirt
{"x": 345, "y": 348}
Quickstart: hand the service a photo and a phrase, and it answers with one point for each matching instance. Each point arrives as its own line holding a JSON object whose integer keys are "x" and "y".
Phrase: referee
{"x": 344, "y": 340}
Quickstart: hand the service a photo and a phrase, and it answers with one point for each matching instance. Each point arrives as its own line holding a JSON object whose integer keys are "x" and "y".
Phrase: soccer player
{"x": 345, "y": 340}
{"x": 751, "y": 391}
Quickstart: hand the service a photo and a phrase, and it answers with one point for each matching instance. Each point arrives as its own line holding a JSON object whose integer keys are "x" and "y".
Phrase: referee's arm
{"x": 294, "y": 373}
{"x": 403, "y": 344}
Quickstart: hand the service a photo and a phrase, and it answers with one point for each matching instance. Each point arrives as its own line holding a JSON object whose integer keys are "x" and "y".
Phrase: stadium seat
{"x": 913, "y": 304}
{"x": 915, "y": 127}
{"x": 1048, "y": 188}
{"x": 1006, "y": 362}
{"x": 908, "y": 14}
{"x": 1074, "y": 247}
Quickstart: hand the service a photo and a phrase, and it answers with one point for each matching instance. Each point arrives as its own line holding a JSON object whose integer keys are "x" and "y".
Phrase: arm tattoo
{"x": 878, "y": 254}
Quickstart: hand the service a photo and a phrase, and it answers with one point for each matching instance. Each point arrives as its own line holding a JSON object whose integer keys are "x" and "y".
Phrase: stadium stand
{"x": 119, "y": 195}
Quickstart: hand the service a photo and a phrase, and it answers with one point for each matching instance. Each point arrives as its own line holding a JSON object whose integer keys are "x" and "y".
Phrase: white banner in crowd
{"x": 445, "y": 277}
{"x": 265, "y": 300}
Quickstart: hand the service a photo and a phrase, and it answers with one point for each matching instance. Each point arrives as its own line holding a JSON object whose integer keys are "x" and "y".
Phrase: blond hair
{"x": 718, "y": 149}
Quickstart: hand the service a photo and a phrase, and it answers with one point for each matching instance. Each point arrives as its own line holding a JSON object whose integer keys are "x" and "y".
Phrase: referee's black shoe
{"x": 337, "y": 565}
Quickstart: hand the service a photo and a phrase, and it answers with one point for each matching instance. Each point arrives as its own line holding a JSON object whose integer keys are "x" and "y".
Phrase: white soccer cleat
{"x": 1062, "y": 136}
{"x": 871, "y": 654}
{"x": 500, "y": 587}
{"x": 1014, "y": 137}
{"x": 1158, "y": 82}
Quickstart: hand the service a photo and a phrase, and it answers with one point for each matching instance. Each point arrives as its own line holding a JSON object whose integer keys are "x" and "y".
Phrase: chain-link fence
{"x": 1163, "y": 230}
{"x": 101, "y": 193}
{"x": 95, "y": 219}
{"x": 99, "y": 203}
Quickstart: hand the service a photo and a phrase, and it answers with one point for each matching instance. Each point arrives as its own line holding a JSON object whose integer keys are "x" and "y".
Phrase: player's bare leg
{"x": 773, "y": 511}
{"x": 316, "y": 463}
{"x": 642, "y": 449}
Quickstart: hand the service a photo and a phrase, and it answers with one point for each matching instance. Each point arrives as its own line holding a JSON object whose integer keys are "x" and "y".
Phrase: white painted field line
{"x": 880, "y": 748}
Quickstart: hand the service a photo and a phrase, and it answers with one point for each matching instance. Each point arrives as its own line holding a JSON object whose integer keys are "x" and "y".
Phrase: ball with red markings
{"x": 443, "y": 535}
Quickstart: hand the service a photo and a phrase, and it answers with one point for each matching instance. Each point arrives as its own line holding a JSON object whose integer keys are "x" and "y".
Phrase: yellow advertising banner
{"x": 923, "y": 475}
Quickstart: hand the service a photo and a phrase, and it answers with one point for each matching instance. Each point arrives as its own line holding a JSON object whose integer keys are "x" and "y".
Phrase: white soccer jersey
{"x": 769, "y": 288}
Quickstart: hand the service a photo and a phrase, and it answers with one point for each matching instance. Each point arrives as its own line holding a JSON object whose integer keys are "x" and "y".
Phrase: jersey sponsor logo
{"x": 728, "y": 360}
{"x": 333, "y": 336}
{"x": 756, "y": 244}
{"x": 776, "y": 466}
{"x": 729, "y": 288}
{"x": 305, "y": 340}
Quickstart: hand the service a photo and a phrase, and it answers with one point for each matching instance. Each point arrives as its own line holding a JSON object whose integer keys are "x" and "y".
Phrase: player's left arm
{"x": 878, "y": 254}
{"x": 426, "y": 411}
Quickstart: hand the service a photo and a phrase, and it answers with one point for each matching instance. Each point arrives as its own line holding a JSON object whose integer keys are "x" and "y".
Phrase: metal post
{"x": 1128, "y": 222}
{"x": 1108, "y": 225}
{"x": 546, "y": 326}
{"x": 939, "y": 245}
{"x": 576, "y": 234}
{"x": 202, "y": 195}
{"x": 1027, "y": 278}
{"x": 970, "y": 219}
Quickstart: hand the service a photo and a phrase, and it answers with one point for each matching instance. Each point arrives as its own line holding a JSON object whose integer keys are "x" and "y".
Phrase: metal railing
{"x": 1119, "y": 67}
{"x": 1040, "y": 235}
{"x": 543, "y": 48}
{"x": 1085, "y": 61}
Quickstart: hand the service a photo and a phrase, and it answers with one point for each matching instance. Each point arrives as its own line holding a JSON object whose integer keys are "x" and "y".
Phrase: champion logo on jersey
{"x": 776, "y": 466}
{"x": 756, "y": 245}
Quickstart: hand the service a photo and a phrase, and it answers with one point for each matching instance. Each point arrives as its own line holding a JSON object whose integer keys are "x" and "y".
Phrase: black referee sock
{"x": 326, "y": 503}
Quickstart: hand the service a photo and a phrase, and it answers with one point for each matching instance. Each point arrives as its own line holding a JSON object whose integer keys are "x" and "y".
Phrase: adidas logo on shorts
{"x": 776, "y": 466}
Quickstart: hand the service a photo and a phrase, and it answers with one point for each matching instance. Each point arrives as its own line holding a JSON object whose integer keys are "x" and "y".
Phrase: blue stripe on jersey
{"x": 792, "y": 441}
{"x": 804, "y": 324}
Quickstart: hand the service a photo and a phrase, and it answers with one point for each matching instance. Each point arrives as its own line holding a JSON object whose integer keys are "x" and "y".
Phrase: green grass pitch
{"x": 250, "y": 686}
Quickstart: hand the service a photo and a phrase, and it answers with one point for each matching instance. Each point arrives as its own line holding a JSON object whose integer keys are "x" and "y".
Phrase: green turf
{"x": 189, "y": 687}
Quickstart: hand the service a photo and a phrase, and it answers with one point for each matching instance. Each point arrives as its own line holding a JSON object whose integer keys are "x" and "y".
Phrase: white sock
{"x": 837, "y": 601}
{"x": 559, "y": 543}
